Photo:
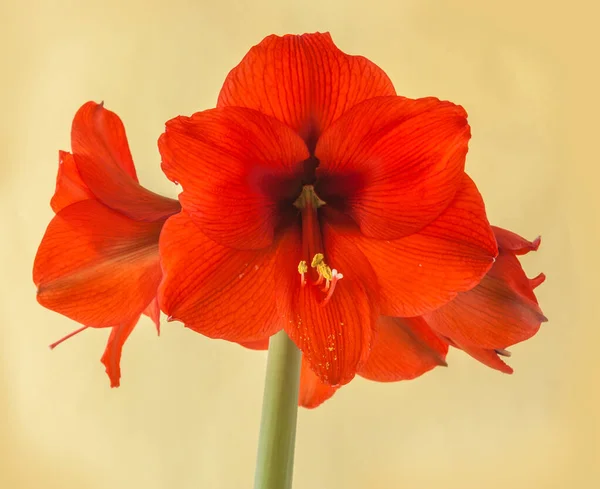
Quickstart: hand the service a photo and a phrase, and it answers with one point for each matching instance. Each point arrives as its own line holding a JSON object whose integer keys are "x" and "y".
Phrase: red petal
{"x": 499, "y": 312}
{"x": 235, "y": 166}
{"x": 153, "y": 312}
{"x": 394, "y": 163}
{"x": 69, "y": 185}
{"x": 313, "y": 392}
{"x": 537, "y": 281}
{"x": 426, "y": 270}
{"x": 216, "y": 291}
{"x": 404, "y": 349}
{"x": 335, "y": 338}
{"x": 487, "y": 357}
{"x": 102, "y": 156}
{"x": 512, "y": 242}
{"x": 97, "y": 266}
{"x": 304, "y": 81}
{"x": 112, "y": 354}
{"x": 256, "y": 345}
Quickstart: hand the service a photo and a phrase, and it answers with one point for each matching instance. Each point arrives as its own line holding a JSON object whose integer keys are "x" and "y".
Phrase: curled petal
{"x": 335, "y": 337}
{"x": 404, "y": 348}
{"x": 423, "y": 271}
{"x": 97, "y": 266}
{"x": 214, "y": 290}
{"x": 512, "y": 242}
{"x": 103, "y": 159}
{"x": 304, "y": 81}
{"x": 112, "y": 354}
{"x": 488, "y": 357}
{"x": 394, "y": 164}
{"x": 153, "y": 312}
{"x": 70, "y": 188}
{"x": 536, "y": 281}
{"x": 501, "y": 311}
{"x": 236, "y": 166}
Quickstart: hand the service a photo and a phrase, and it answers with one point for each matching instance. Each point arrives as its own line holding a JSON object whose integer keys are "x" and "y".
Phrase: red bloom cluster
{"x": 315, "y": 200}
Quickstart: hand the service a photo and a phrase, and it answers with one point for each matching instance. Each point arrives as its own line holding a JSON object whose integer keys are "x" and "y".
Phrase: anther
{"x": 302, "y": 269}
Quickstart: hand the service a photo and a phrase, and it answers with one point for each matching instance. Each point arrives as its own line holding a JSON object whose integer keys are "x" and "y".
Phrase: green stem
{"x": 275, "y": 459}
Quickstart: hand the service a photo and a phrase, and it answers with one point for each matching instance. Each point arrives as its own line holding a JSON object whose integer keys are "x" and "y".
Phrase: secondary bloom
{"x": 98, "y": 261}
{"x": 317, "y": 200}
{"x": 500, "y": 311}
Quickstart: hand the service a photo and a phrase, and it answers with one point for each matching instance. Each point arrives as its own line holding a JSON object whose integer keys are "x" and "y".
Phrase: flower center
{"x": 312, "y": 246}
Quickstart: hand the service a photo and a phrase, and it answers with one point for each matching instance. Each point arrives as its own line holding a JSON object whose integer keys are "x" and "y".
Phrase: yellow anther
{"x": 302, "y": 267}
{"x": 318, "y": 258}
{"x": 323, "y": 269}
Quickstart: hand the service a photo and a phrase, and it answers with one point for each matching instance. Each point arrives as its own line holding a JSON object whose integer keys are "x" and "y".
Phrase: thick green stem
{"x": 275, "y": 459}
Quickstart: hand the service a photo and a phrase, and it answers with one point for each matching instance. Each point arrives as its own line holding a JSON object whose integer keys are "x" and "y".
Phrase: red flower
{"x": 500, "y": 312}
{"x": 316, "y": 200}
{"x": 98, "y": 262}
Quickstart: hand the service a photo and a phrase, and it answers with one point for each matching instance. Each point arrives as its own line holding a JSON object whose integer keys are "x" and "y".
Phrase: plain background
{"x": 187, "y": 413}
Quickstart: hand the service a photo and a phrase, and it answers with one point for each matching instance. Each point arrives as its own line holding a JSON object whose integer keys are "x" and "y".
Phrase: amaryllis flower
{"x": 500, "y": 311}
{"x": 98, "y": 262}
{"x": 318, "y": 201}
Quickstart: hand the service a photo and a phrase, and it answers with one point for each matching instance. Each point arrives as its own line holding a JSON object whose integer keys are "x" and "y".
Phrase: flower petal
{"x": 112, "y": 354}
{"x": 426, "y": 270}
{"x": 214, "y": 290}
{"x": 259, "y": 345}
{"x": 509, "y": 241}
{"x": 394, "y": 163}
{"x": 501, "y": 311}
{"x": 487, "y": 357}
{"x": 313, "y": 392}
{"x": 102, "y": 156}
{"x": 153, "y": 312}
{"x": 235, "y": 166}
{"x": 334, "y": 337}
{"x": 69, "y": 185}
{"x": 404, "y": 349}
{"x": 97, "y": 266}
{"x": 304, "y": 81}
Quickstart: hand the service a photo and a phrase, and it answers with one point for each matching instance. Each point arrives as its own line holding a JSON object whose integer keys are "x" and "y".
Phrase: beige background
{"x": 187, "y": 413}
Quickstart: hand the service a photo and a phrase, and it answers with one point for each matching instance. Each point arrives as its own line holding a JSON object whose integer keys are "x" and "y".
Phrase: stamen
{"x": 326, "y": 274}
{"x": 70, "y": 335}
{"x": 335, "y": 278}
{"x": 302, "y": 269}
{"x": 323, "y": 270}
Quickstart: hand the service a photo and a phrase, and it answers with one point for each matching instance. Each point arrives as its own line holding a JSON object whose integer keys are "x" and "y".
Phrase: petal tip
{"x": 537, "y": 280}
